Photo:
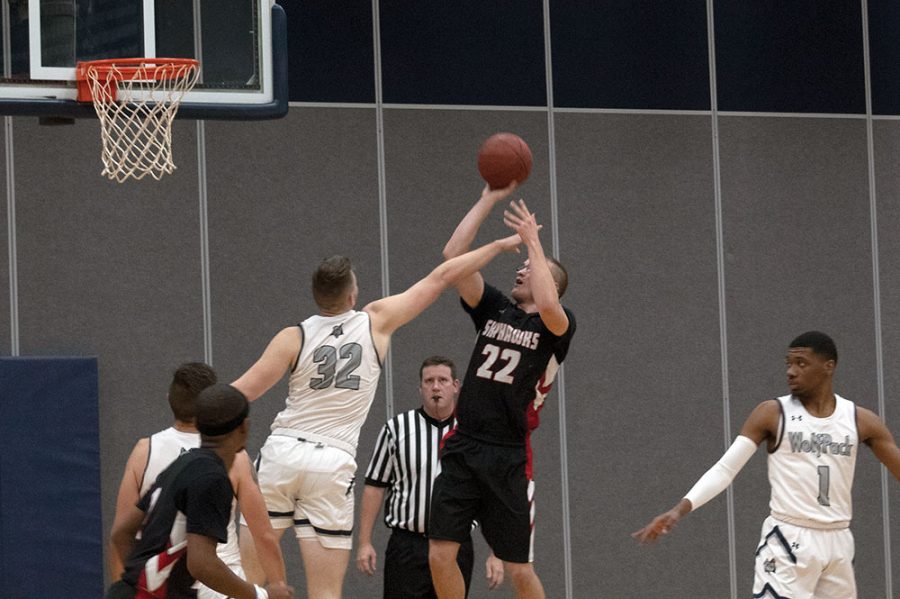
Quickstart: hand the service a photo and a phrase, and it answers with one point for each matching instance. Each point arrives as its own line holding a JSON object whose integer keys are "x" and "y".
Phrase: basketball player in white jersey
{"x": 307, "y": 465}
{"x": 812, "y": 435}
{"x": 151, "y": 455}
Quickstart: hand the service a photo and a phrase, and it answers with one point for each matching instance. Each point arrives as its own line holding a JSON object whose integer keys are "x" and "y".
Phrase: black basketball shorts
{"x": 487, "y": 483}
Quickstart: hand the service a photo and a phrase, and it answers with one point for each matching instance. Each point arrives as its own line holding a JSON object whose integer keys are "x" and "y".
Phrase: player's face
{"x": 807, "y": 371}
{"x": 438, "y": 389}
{"x": 521, "y": 291}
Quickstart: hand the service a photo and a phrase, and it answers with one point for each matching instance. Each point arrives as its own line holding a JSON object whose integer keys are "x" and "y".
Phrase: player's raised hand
{"x": 518, "y": 218}
{"x": 659, "y": 526}
{"x": 496, "y": 195}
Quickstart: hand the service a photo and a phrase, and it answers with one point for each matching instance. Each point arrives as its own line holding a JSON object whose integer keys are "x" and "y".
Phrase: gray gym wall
{"x": 702, "y": 231}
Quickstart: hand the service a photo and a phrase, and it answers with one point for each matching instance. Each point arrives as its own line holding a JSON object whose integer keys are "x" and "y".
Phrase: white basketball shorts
{"x": 308, "y": 485}
{"x": 803, "y": 563}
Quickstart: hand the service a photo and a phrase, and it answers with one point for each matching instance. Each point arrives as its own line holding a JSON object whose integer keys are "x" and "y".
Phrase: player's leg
{"x": 454, "y": 500}
{"x": 786, "y": 562}
{"x": 465, "y": 560}
{"x": 325, "y": 568}
{"x": 507, "y": 519}
{"x": 323, "y": 518}
{"x": 445, "y": 573}
{"x": 838, "y": 578}
{"x": 524, "y": 580}
{"x": 278, "y": 482}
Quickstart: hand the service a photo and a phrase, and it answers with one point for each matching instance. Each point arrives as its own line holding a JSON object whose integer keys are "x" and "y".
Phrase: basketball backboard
{"x": 241, "y": 46}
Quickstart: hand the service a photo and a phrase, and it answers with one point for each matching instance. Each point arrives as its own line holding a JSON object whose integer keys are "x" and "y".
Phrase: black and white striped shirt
{"x": 406, "y": 463}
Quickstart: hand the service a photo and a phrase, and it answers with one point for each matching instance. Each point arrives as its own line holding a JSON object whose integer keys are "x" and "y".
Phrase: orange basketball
{"x": 504, "y": 158}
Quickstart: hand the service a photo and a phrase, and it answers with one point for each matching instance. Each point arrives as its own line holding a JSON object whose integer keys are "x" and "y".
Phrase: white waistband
{"x": 811, "y": 523}
{"x": 309, "y": 437}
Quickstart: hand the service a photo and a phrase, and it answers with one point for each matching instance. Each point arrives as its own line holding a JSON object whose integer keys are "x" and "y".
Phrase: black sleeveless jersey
{"x": 514, "y": 362}
{"x": 193, "y": 495}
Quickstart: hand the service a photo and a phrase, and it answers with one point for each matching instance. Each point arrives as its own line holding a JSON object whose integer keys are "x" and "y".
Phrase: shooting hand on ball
{"x": 496, "y": 195}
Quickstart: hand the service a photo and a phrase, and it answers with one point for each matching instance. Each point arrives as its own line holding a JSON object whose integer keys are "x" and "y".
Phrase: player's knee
{"x": 520, "y": 575}
{"x": 442, "y": 554}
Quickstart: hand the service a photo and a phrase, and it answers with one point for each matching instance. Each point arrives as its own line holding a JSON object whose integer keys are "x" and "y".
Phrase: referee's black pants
{"x": 406, "y": 571}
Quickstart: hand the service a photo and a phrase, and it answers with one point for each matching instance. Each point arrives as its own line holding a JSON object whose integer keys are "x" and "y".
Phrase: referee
{"x": 404, "y": 466}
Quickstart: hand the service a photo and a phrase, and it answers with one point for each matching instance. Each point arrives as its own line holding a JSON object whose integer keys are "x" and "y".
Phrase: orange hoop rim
{"x": 126, "y": 69}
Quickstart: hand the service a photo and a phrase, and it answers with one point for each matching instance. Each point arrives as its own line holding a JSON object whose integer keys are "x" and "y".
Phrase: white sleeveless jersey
{"x": 165, "y": 447}
{"x": 811, "y": 469}
{"x": 333, "y": 384}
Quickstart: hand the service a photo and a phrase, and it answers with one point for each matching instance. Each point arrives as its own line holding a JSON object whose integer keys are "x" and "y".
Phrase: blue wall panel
{"x": 631, "y": 54}
{"x": 486, "y": 52}
{"x": 330, "y": 51}
{"x": 798, "y": 56}
{"x": 51, "y": 538}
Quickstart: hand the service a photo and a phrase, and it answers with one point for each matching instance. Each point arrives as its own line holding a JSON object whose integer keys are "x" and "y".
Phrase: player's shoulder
{"x": 769, "y": 410}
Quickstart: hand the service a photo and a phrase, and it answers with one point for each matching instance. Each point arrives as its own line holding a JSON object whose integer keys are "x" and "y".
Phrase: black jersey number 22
{"x": 506, "y": 360}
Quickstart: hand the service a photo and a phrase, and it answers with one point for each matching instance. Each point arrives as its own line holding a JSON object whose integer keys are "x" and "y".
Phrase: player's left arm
{"x": 129, "y": 494}
{"x": 874, "y": 433}
{"x": 253, "y": 508}
{"x": 392, "y": 312}
{"x": 543, "y": 286}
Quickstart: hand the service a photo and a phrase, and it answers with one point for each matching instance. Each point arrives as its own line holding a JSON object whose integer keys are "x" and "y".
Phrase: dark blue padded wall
{"x": 50, "y": 525}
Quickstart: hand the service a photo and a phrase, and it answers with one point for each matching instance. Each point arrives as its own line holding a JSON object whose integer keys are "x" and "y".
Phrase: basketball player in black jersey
{"x": 185, "y": 514}
{"x": 484, "y": 464}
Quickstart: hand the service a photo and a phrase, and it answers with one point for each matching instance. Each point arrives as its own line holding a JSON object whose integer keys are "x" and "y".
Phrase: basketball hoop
{"x": 136, "y": 100}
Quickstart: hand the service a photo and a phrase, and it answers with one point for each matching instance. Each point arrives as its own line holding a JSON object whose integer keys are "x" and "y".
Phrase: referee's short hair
{"x": 818, "y": 342}
{"x": 437, "y": 360}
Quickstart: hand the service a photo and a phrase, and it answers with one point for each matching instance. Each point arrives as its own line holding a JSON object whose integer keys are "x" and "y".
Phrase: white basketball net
{"x": 136, "y": 113}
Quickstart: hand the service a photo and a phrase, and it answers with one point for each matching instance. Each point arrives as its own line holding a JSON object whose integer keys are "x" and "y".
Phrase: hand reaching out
{"x": 518, "y": 218}
{"x": 659, "y": 526}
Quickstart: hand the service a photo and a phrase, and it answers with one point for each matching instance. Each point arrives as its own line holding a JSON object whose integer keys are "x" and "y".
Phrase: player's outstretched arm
{"x": 543, "y": 287}
{"x": 270, "y": 367}
{"x": 874, "y": 433}
{"x": 253, "y": 508}
{"x": 129, "y": 494}
{"x": 390, "y": 313}
{"x": 471, "y": 287}
{"x": 760, "y": 425}
{"x": 366, "y": 556}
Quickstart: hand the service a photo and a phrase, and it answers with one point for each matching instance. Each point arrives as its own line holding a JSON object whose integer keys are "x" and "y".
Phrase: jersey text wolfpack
{"x": 811, "y": 468}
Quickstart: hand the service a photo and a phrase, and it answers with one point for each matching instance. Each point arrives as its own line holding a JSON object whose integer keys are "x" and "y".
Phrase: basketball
{"x": 504, "y": 158}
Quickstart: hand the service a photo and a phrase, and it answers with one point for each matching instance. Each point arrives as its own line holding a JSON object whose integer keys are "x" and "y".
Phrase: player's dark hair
{"x": 331, "y": 280}
{"x": 221, "y": 408}
{"x": 819, "y": 343}
{"x": 560, "y": 275}
{"x": 437, "y": 361}
{"x": 188, "y": 381}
